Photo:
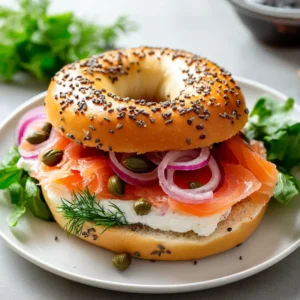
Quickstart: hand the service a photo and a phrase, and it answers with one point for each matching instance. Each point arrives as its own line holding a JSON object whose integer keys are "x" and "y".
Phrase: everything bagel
{"x": 145, "y": 99}
{"x": 147, "y": 201}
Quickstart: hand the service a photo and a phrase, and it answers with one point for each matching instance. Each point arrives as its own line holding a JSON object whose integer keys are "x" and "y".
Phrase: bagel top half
{"x": 145, "y": 99}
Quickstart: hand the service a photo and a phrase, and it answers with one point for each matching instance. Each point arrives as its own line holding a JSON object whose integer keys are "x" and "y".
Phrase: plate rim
{"x": 138, "y": 288}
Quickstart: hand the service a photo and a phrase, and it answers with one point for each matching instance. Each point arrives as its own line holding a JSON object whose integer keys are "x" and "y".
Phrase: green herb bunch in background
{"x": 38, "y": 43}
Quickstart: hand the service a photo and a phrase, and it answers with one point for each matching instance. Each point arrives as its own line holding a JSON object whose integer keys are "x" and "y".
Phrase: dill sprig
{"x": 85, "y": 208}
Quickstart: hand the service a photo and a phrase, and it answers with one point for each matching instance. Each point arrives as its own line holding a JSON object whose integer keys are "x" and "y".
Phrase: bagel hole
{"x": 154, "y": 83}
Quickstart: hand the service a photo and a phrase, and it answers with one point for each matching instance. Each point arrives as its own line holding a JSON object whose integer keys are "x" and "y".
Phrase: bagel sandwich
{"x": 141, "y": 151}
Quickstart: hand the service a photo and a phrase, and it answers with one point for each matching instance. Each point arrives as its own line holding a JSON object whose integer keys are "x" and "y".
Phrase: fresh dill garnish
{"x": 85, "y": 208}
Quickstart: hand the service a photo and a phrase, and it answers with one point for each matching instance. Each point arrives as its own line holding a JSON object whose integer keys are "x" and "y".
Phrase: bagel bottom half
{"x": 146, "y": 243}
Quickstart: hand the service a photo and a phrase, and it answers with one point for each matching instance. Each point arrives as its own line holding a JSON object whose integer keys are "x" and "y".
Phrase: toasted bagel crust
{"x": 146, "y": 243}
{"x": 145, "y": 99}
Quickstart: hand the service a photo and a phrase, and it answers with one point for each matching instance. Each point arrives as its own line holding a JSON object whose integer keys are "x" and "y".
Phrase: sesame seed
{"x": 169, "y": 121}
{"x": 188, "y": 140}
{"x": 190, "y": 121}
{"x": 71, "y": 136}
{"x": 202, "y": 136}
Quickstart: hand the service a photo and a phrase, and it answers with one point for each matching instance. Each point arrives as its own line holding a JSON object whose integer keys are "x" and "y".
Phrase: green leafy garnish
{"x": 9, "y": 176}
{"x": 270, "y": 122}
{"x": 34, "y": 200}
{"x": 286, "y": 188}
{"x": 284, "y": 146}
{"x": 15, "y": 215}
{"x": 11, "y": 157}
{"x": 16, "y": 193}
{"x": 31, "y": 40}
{"x": 268, "y": 116}
{"x": 85, "y": 208}
{"x": 24, "y": 191}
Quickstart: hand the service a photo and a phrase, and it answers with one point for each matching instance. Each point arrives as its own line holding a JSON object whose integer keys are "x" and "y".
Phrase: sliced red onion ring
{"x": 194, "y": 196}
{"x": 197, "y": 163}
{"x": 37, "y": 113}
{"x": 38, "y": 148}
{"x": 143, "y": 180}
{"x": 34, "y": 116}
{"x": 156, "y": 157}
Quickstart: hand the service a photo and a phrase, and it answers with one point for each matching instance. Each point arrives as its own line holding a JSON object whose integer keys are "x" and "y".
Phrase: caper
{"x": 122, "y": 261}
{"x": 47, "y": 127}
{"x": 52, "y": 157}
{"x": 137, "y": 164}
{"x": 142, "y": 207}
{"x": 195, "y": 185}
{"x": 37, "y": 137}
{"x": 116, "y": 186}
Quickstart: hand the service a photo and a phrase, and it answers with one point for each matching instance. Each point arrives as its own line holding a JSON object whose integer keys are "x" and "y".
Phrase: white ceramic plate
{"x": 277, "y": 236}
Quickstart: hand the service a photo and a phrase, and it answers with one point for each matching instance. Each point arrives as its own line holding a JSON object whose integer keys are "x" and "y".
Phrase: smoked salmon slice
{"x": 253, "y": 161}
{"x": 238, "y": 184}
{"x": 246, "y": 173}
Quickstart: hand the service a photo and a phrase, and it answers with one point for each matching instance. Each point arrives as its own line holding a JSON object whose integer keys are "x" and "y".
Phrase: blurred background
{"x": 255, "y": 39}
{"x": 209, "y": 28}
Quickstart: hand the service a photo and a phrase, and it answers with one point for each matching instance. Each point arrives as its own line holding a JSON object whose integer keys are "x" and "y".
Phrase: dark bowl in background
{"x": 270, "y": 24}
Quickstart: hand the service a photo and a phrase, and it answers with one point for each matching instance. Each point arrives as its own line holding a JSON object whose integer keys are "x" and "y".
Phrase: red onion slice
{"x": 37, "y": 113}
{"x": 28, "y": 120}
{"x": 156, "y": 157}
{"x": 194, "y": 196}
{"x": 38, "y": 148}
{"x": 143, "y": 180}
{"x": 197, "y": 163}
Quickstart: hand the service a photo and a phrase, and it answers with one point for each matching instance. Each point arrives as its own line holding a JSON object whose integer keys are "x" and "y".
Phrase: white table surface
{"x": 206, "y": 27}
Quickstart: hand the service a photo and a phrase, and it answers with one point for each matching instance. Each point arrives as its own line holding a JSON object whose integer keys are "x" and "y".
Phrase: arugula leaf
{"x": 11, "y": 157}
{"x": 9, "y": 176}
{"x": 15, "y": 215}
{"x": 284, "y": 145}
{"x": 270, "y": 122}
{"x": 286, "y": 188}
{"x": 34, "y": 200}
{"x": 24, "y": 191}
{"x": 16, "y": 193}
{"x": 268, "y": 116}
{"x": 38, "y": 43}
